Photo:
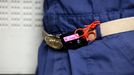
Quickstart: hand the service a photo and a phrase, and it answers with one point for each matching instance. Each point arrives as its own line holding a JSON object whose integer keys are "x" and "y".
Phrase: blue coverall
{"x": 110, "y": 55}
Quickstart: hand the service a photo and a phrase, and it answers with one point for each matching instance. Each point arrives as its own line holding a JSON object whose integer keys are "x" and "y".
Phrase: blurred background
{"x": 20, "y": 35}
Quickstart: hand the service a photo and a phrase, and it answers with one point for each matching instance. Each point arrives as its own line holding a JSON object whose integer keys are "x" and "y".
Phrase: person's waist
{"x": 107, "y": 28}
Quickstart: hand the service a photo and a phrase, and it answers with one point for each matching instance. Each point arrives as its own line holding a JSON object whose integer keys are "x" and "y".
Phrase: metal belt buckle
{"x": 53, "y": 41}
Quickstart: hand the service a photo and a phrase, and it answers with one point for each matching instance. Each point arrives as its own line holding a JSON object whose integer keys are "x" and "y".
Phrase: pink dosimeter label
{"x": 71, "y": 37}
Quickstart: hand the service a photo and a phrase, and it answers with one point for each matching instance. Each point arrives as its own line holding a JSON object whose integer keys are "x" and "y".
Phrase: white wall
{"x": 20, "y": 35}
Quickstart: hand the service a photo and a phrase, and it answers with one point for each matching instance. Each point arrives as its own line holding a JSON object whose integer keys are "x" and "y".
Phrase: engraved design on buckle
{"x": 53, "y": 41}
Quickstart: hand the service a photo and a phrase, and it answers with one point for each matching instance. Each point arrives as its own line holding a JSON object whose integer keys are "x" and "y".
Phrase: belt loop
{"x": 98, "y": 32}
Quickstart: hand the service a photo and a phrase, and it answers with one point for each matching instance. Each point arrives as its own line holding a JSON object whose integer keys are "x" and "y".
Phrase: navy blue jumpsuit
{"x": 110, "y": 55}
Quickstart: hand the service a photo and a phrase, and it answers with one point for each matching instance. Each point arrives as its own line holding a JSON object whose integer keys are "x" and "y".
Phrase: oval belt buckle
{"x": 53, "y": 41}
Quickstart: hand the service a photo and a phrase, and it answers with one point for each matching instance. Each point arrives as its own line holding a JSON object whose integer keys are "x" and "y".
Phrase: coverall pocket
{"x": 127, "y": 45}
